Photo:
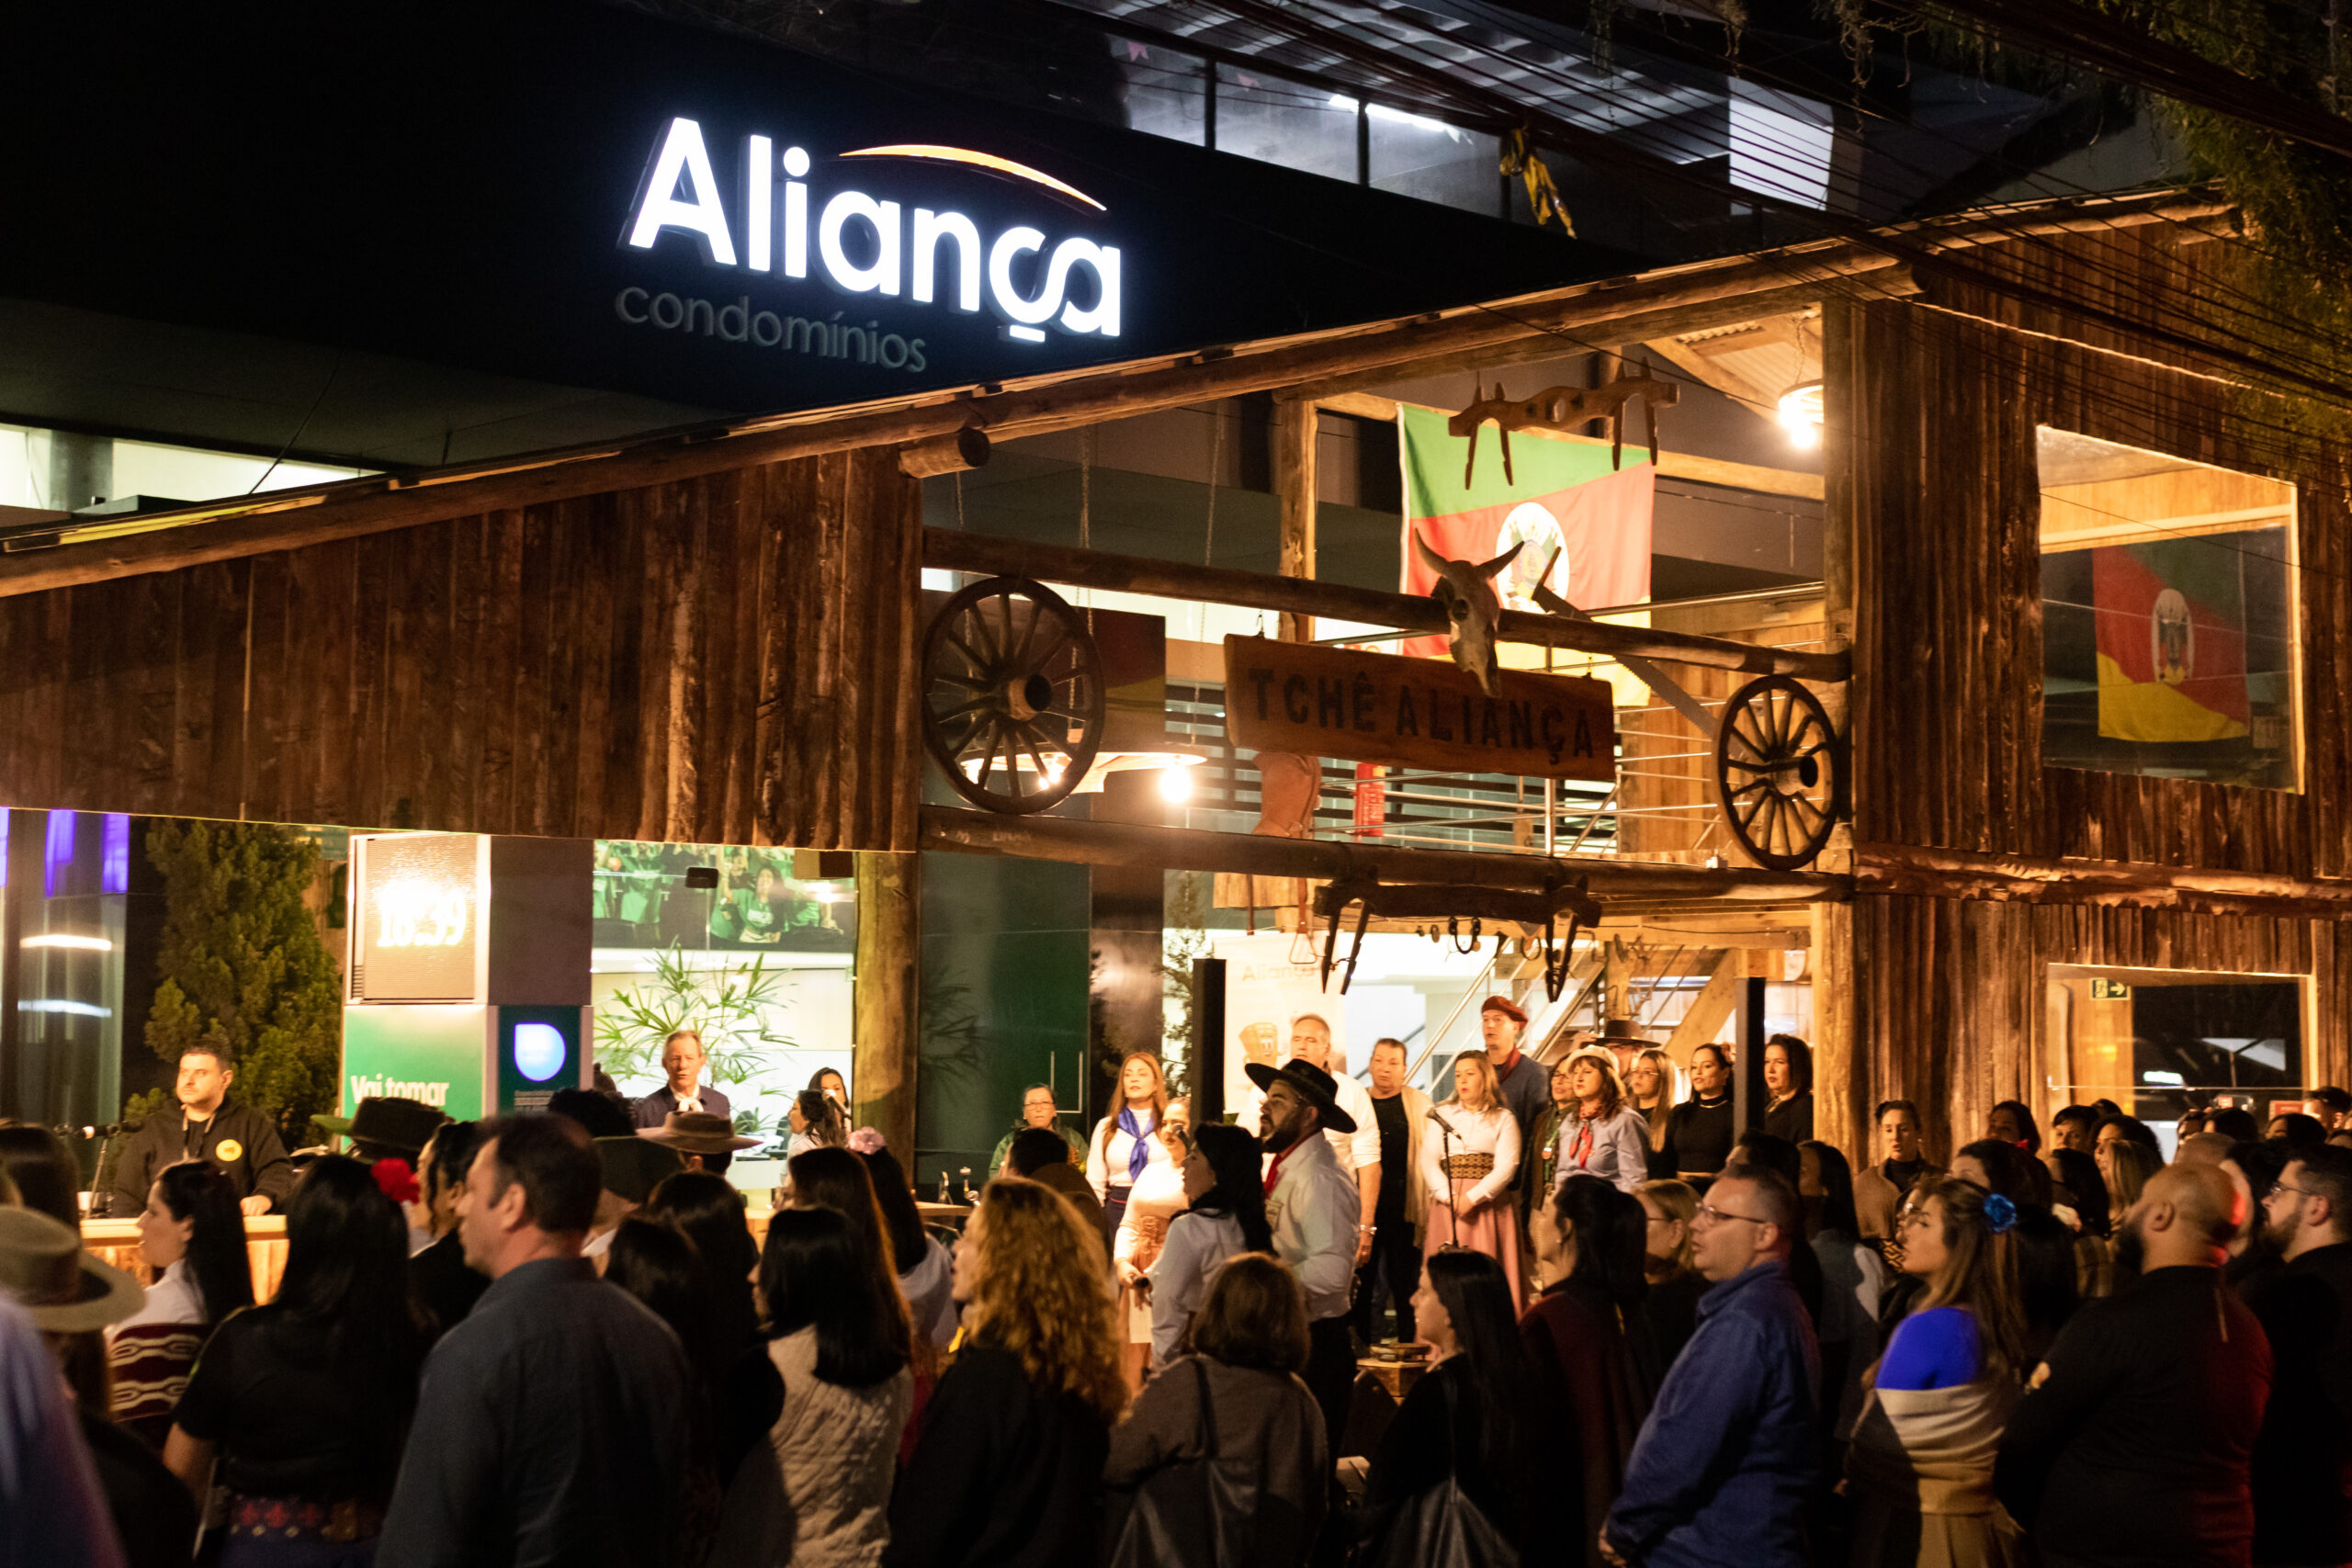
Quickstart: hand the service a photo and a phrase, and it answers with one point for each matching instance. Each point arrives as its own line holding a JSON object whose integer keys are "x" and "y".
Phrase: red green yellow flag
{"x": 2171, "y": 642}
{"x": 1562, "y": 495}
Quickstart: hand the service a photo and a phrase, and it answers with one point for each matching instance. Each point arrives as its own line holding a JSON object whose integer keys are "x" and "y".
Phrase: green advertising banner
{"x": 427, "y": 1052}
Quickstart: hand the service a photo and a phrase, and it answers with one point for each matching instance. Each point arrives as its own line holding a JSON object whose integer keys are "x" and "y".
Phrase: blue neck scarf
{"x": 1138, "y": 1128}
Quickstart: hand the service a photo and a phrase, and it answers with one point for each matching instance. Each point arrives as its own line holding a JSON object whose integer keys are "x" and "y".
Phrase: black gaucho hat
{"x": 1320, "y": 1088}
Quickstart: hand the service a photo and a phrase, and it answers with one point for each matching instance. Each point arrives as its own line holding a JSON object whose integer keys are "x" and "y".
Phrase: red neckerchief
{"x": 1503, "y": 1065}
{"x": 1580, "y": 1150}
{"x": 1274, "y": 1171}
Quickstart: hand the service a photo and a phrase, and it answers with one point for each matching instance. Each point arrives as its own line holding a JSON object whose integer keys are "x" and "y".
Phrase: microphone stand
{"x": 1452, "y": 1215}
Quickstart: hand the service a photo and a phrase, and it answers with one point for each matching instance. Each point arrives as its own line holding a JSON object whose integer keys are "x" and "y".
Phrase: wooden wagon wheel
{"x": 1012, "y": 695}
{"x": 1779, "y": 772}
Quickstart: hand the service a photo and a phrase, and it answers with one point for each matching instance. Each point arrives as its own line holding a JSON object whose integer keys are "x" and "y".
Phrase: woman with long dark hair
{"x": 925, "y": 1266}
{"x": 1853, "y": 1278}
{"x": 1226, "y": 1214}
{"x": 1699, "y": 1133}
{"x": 193, "y": 1232}
{"x": 1788, "y": 1078}
{"x": 305, "y": 1402}
{"x": 837, "y": 1334}
{"x": 744, "y": 1392}
{"x": 1472, "y": 1419}
{"x": 1920, "y": 1470}
{"x": 1581, "y": 1338}
{"x": 1009, "y": 1467}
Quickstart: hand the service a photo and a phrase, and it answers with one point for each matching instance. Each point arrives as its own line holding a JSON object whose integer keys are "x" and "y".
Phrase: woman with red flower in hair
{"x": 304, "y": 1401}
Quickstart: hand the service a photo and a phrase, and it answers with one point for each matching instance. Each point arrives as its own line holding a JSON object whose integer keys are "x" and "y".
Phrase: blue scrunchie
{"x": 1138, "y": 1129}
{"x": 2000, "y": 1214}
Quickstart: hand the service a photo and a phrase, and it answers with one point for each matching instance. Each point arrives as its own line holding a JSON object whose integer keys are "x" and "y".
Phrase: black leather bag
{"x": 1440, "y": 1527}
{"x": 1194, "y": 1513}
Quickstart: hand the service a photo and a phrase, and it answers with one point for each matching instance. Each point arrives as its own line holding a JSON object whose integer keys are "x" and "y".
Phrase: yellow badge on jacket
{"x": 229, "y": 1149}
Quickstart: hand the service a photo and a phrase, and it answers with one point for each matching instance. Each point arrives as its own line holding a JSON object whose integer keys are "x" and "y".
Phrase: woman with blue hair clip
{"x": 1920, "y": 1470}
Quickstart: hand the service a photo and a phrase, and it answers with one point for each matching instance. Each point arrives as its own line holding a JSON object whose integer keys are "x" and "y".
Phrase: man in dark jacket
{"x": 2132, "y": 1441}
{"x": 237, "y": 1139}
{"x": 2302, "y": 1461}
{"x": 1725, "y": 1462}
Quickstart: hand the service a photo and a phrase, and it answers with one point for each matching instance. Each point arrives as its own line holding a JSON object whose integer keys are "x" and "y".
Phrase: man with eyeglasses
{"x": 2302, "y": 1461}
{"x": 1721, "y": 1473}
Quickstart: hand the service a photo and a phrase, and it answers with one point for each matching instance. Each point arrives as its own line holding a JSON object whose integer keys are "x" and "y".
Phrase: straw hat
{"x": 66, "y": 1290}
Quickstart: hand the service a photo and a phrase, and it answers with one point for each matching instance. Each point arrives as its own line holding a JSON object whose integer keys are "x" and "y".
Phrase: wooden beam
{"x": 1185, "y": 848}
{"x": 886, "y": 996}
{"x": 1957, "y": 873}
{"x": 1025, "y": 406}
{"x": 1551, "y": 339}
{"x": 1295, "y": 428}
{"x": 1670, "y": 465}
{"x": 951, "y": 549}
{"x": 1710, "y": 1007}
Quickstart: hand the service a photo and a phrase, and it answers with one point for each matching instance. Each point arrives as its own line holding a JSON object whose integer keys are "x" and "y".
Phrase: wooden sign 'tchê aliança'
{"x": 1416, "y": 712}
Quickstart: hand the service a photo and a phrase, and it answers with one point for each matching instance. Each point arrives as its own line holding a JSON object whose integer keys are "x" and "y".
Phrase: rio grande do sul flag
{"x": 1565, "y": 497}
{"x": 2171, "y": 642}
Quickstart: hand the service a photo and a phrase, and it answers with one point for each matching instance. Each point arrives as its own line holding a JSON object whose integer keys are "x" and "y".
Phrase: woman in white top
{"x": 1227, "y": 1194}
{"x": 1600, "y": 1134}
{"x": 194, "y": 1233}
{"x": 1157, "y": 1197}
{"x": 1468, "y": 1161}
{"x": 1123, "y": 1147}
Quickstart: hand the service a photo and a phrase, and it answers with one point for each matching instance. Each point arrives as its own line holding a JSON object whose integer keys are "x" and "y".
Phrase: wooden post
{"x": 1295, "y": 431}
{"x": 1841, "y": 1093}
{"x": 885, "y": 1000}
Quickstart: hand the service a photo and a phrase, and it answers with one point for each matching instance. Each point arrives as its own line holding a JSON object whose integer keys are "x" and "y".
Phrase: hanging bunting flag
{"x": 2171, "y": 642}
{"x": 1563, "y": 496}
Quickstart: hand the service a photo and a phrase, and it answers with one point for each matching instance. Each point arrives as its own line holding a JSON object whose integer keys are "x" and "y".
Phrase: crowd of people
{"x": 556, "y": 1337}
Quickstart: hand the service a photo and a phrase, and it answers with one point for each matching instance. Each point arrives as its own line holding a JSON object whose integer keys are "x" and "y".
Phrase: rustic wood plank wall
{"x": 719, "y": 659}
{"x": 1951, "y": 1001}
{"x": 1948, "y": 641}
{"x": 1948, "y": 996}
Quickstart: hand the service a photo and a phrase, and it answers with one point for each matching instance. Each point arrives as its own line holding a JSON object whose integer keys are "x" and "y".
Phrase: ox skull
{"x": 1469, "y": 595}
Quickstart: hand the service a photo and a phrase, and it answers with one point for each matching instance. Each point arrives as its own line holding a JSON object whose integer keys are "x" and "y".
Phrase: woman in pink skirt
{"x": 1469, "y": 1159}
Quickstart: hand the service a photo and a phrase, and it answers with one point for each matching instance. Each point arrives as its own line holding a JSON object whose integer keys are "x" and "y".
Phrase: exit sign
{"x": 2111, "y": 991}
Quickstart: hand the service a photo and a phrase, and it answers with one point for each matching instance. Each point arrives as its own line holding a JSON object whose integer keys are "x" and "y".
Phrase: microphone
{"x": 1433, "y": 1114}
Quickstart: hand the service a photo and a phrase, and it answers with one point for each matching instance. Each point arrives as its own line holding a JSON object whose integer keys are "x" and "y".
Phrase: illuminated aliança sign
{"x": 861, "y": 245}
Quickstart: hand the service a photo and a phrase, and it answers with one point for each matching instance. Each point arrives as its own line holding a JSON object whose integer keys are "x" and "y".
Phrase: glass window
{"x": 2160, "y": 1044}
{"x": 2168, "y": 616}
{"x": 1312, "y": 129}
{"x": 1415, "y": 155}
{"x": 1166, "y": 93}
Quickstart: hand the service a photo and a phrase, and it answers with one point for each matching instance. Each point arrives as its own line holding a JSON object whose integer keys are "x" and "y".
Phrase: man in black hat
{"x": 1313, "y": 1207}
{"x": 387, "y": 1127}
{"x": 237, "y": 1139}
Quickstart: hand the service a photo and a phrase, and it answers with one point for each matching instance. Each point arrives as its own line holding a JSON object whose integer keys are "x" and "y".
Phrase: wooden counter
{"x": 117, "y": 1242}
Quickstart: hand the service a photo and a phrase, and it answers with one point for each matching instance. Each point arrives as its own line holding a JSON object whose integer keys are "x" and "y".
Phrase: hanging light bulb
{"x": 1800, "y": 414}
